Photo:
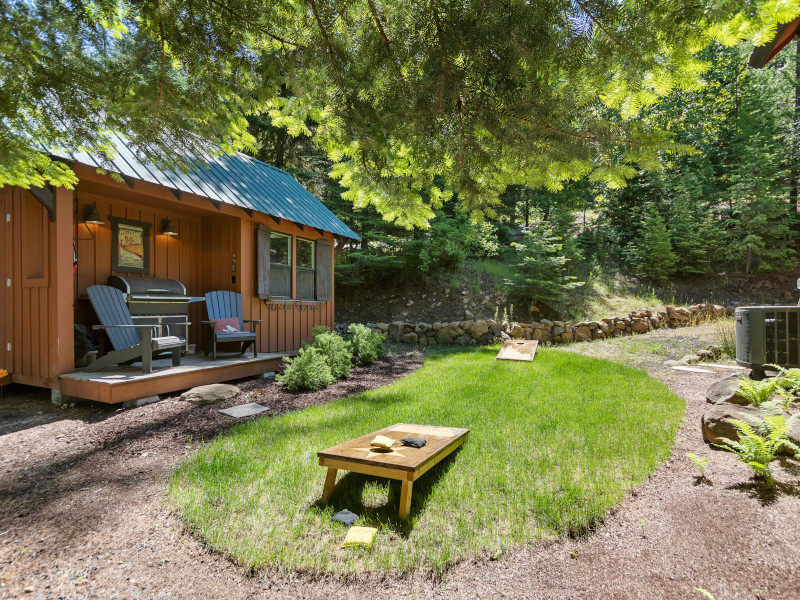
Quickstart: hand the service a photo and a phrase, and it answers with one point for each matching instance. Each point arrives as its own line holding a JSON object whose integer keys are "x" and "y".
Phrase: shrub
{"x": 307, "y": 371}
{"x": 319, "y": 330}
{"x": 337, "y": 352}
{"x": 761, "y": 438}
{"x": 367, "y": 346}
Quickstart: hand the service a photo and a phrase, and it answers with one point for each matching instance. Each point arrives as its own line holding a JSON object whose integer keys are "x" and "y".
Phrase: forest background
{"x": 727, "y": 212}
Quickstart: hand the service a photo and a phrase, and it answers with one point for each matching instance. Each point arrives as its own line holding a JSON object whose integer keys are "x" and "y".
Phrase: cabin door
{"x": 6, "y": 316}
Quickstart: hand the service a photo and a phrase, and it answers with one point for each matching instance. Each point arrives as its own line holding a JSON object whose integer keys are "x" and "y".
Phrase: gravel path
{"x": 82, "y": 516}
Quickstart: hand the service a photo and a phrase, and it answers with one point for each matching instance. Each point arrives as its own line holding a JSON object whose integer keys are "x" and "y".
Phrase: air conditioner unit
{"x": 768, "y": 335}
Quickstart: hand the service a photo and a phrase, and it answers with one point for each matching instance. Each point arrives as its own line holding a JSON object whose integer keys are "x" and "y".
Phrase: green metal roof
{"x": 235, "y": 179}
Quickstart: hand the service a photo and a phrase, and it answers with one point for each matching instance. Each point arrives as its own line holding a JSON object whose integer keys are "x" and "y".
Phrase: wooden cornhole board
{"x": 518, "y": 350}
{"x": 400, "y": 462}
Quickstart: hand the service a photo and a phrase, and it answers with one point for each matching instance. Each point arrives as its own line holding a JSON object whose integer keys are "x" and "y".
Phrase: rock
{"x": 724, "y": 390}
{"x": 541, "y": 335}
{"x": 639, "y": 327}
{"x": 396, "y": 330}
{"x": 583, "y": 332}
{"x": 465, "y": 339}
{"x": 468, "y": 316}
{"x": 690, "y": 359}
{"x": 566, "y": 336}
{"x": 486, "y": 338}
{"x": 437, "y": 326}
{"x": 654, "y": 322}
{"x": 384, "y": 327}
{"x": 620, "y": 325}
{"x": 444, "y": 336}
{"x": 410, "y": 303}
{"x": 410, "y": 338}
{"x": 504, "y": 336}
{"x": 705, "y": 355}
{"x": 495, "y": 327}
{"x": 730, "y": 310}
{"x": 518, "y": 332}
{"x": 715, "y": 425}
{"x": 558, "y": 329}
{"x": 210, "y": 394}
{"x": 480, "y": 328}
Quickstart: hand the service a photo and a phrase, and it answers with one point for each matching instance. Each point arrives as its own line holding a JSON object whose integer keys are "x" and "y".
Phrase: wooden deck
{"x": 121, "y": 383}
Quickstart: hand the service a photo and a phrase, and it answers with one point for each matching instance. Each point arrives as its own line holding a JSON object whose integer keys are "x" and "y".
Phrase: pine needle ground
{"x": 554, "y": 444}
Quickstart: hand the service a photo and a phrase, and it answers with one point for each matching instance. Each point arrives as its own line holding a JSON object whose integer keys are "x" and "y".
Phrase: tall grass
{"x": 554, "y": 444}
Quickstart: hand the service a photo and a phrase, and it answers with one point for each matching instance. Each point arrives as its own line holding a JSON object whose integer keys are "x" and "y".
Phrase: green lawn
{"x": 554, "y": 444}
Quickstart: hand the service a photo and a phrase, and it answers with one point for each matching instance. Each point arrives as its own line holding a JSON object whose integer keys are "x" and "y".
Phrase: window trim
{"x": 276, "y": 265}
{"x": 312, "y": 269}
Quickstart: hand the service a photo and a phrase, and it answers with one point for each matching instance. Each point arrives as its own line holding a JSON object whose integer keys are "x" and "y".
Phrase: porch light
{"x": 92, "y": 216}
{"x": 167, "y": 228}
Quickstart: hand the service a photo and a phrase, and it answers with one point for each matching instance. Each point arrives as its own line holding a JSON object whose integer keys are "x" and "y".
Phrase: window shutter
{"x": 262, "y": 261}
{"x": 324, "y": 283}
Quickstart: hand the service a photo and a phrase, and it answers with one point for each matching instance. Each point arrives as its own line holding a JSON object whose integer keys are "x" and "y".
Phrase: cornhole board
{"x": 399, "y": 462}
{"x": 518, "y": 350}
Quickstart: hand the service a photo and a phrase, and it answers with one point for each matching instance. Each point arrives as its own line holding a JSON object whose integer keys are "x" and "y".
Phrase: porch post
{"x": 61, "y": 296}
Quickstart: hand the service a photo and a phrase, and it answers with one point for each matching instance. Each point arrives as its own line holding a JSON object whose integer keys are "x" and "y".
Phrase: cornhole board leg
{"x": 330, "y": 481}
{"x": 518, "y": 350}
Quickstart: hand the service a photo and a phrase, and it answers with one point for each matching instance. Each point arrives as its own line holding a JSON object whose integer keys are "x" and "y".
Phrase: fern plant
{"x": 761, "y": 438}
{"x": 789, "y": 379}
{"x": 700, "y": 463}
{"x": 756, "y": 392}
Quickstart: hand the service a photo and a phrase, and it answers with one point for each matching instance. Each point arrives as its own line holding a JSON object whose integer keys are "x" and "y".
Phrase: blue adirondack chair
{"x": 131, "y": 342}
{"x": 226, "y": 305}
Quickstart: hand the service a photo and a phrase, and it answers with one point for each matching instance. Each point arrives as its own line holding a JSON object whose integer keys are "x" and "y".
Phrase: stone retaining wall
{"x": 472, "y": 331}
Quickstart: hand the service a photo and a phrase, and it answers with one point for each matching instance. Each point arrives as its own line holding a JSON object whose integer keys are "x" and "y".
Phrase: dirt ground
{"x": 82, "y": 515}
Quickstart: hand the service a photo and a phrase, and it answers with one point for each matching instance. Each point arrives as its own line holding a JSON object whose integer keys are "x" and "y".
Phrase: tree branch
{"x": 597, "y": 22}
{"x": 247, "y": 21}
{"x": 161, "y": 83}
{"x": 324, "y": 34}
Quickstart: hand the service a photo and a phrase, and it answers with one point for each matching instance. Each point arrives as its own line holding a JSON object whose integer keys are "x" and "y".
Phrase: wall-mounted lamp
{"x": 167, "y": 228}
{"x": 92, "y": 216}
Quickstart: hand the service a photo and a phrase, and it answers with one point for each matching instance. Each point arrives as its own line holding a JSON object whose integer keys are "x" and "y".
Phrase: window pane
{"x": 305, "y": 284}
{"x": 280, "y": 282}
{"x": 280, "y": 249}
{"x": 305, "y": 253}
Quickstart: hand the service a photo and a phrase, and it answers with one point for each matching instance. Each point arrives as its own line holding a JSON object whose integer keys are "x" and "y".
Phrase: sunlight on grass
{"x": 554, "y": 444}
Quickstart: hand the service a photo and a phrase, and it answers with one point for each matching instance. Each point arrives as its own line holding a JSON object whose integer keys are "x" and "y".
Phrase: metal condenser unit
{"x": 768, "y": 335}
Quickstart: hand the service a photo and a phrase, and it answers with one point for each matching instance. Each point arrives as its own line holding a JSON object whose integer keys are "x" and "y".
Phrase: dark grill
{"x": 156, "y": 301}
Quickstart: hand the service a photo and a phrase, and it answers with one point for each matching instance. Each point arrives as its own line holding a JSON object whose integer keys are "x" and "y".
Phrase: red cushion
{"x": 230, "y": 325}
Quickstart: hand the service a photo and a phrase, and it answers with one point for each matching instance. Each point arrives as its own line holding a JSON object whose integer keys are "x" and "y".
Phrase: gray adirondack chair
{"x": 131, "y": 342}
{"x": 226, "y": 305}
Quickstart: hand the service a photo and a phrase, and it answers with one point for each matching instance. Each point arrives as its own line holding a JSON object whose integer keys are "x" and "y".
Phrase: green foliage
{"x": 540, "y": 267}
{"x": 308, "y": 370}
{"x": 367, "y": 346}
{"x": 413, "y": 104}
{"x": 336, "y": 351}
{"x": 761, "y": 439}
{"x": 656, "y": 260}
{"x": 756, "y": 392}
{"x": 700, "y": 463}
{"x": 318, "y": 330}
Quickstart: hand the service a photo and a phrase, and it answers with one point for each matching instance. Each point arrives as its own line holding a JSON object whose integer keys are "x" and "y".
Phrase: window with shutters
{"x": 280, "y": 259}
{"x": 306, "y": 272}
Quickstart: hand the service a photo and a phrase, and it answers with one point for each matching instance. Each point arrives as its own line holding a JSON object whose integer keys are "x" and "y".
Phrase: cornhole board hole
{"x": 399, "y": 462}
{"x": 518, "y": 350}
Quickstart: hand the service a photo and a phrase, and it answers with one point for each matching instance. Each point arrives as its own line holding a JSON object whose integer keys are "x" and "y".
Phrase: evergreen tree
{"x": 656, "y": 258}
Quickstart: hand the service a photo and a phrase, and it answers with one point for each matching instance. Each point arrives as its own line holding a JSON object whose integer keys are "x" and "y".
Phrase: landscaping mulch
{"x": 82, "y": 515}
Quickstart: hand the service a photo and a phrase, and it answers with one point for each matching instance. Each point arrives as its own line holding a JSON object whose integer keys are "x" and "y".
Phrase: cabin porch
{"x": 127, "y": 382}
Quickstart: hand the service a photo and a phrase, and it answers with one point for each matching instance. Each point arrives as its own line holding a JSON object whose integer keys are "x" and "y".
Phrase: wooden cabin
{"x": 238, "y": 225}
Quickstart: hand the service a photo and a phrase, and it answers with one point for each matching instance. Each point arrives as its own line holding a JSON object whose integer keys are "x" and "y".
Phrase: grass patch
{"x": 553, "y": 446}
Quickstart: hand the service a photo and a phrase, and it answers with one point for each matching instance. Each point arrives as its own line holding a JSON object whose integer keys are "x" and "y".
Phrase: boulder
{"x": 486, "y": 338}
{"x": 396, "y": 331}
{"x": 715, "y": 425}
{"x": 567, "y": 336}
{"x": 724, "y": 390}
{"x": 541, "y": 335}
{"x": 558, "y": 329}
{"x": 410, "y": 338}
{"x": 210, "y": 394}
{"x": 639, "y": 326}
{"x": 518, "y": 333}
{"x": 468, "y": 316}
{"x": 479, "y": 329}
{"x": 582, "y": 332}
{"x": 445, "y": 336}
{"x": 705, "y": 355}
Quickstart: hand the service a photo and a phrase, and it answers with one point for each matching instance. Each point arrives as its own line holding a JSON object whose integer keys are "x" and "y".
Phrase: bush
{"x": 337, "y": 352}
{"x": 318, "y": 330}
{"x": 307, "y": 371}
{"x": 367, "y": 347}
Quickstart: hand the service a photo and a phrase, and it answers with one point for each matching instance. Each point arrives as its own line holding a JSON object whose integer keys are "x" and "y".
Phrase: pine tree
{"x": 656, "y": 258}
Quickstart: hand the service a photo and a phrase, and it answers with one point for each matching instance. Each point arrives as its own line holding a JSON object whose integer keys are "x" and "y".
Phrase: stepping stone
{"x": 733, "y": 367}
{"x": 244, "y": 410}
{"x": 692, "y": 370}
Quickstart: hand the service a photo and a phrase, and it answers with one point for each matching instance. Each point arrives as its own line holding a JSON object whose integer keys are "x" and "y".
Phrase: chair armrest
{"x": 133, "y": 326}
{"x": 252, "y": 320}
